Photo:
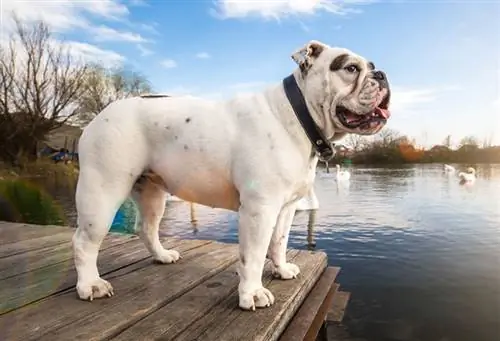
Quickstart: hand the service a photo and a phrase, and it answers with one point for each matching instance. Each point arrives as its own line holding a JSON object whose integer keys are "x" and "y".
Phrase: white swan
{"x": 342, "y": 175}
{"x": 309, "y": 202}
{"x": 468, "y": 176}
{"x": 448, "y": 168}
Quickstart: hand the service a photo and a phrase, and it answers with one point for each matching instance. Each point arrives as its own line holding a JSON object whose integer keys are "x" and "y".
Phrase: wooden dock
{"x": 193, "y": 299}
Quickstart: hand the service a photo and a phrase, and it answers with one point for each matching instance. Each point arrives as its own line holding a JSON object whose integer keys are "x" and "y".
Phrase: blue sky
{"x": 442, "y": 57}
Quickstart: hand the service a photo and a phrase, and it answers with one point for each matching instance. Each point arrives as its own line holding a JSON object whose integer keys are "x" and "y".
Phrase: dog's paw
{"x": 167, "y": 256}
{"x": 96, "y": 289}
{"x": 286, "y": 271}
{"x": 260, "y": 298}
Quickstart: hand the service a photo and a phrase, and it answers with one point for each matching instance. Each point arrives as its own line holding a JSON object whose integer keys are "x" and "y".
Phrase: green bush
{"x": 22, "y": 201}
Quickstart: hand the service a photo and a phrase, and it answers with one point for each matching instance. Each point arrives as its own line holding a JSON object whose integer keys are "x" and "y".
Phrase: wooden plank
{"x": 338, "y": 307}
{"x": 52, "y": 279}
{"x": 30, "y": 244}
{"x": 230, "y": 323}
{"x": 14, "y": 232}
{"x": 138, "y": 293}
{"x": 31, "y": 260}
{"x": 177, "y": 316}
{"x": 307, "y": 321}
{"x": 228, "y": 309}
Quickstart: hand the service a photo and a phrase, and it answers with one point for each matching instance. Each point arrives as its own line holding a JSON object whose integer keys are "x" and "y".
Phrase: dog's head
{"x": 343, "y": 89}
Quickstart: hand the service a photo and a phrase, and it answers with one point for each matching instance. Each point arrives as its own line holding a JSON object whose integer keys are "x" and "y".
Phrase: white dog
{"x": 252, "y": 154}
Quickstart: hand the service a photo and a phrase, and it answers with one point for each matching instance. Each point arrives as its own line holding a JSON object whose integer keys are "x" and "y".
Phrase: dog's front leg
{"x": 279, "y": 242}
{"x": 256, "y": 223}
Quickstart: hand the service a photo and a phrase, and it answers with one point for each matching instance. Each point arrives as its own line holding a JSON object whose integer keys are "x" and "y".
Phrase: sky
{"x": 442, "y": 57}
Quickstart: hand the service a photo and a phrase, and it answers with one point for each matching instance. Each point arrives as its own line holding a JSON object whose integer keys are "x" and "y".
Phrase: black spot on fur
{"x": 188, "y": 119}
{"x": 186, "y": 147}
{"x": 106, "y": 120}
{"x": 167, "y": 127}
{"x": 339, "y": 62}
{"x": 176, "y": 137}
{"x": 371, "y": 65}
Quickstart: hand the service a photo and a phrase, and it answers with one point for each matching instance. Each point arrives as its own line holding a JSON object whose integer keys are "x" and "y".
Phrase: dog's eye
{"x": 352, "y": 68}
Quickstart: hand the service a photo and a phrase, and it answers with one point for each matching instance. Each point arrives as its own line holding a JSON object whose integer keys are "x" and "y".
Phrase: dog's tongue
{"x": 385, "y": 113}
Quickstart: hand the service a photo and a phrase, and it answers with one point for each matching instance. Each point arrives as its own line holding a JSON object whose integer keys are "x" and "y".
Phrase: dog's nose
{"x": 379, "y": 75}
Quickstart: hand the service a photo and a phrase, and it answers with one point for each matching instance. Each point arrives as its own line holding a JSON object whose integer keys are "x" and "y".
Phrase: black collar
{"x": 322, "y": 146}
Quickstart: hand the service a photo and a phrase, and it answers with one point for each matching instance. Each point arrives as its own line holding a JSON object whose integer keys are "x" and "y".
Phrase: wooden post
{"x": 193, "y": 214}
{"x": 73, "y": 147}
{"x": 323, "y": 332}
{"x": 311, "y": 244}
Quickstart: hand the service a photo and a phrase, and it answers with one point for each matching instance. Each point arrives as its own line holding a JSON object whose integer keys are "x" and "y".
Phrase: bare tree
{"x": 387, "y": 137}
{"x": 469, "y": 141}
{"x": 488, "y": 141}
{"x": 355, "y": 142}
{"x": 447, "y": 141}
{"x": 104, "y": 86}
{"x": 39, "y": 82}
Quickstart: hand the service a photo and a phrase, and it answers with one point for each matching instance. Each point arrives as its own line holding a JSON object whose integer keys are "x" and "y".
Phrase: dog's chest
{"x": 306, "y": 181}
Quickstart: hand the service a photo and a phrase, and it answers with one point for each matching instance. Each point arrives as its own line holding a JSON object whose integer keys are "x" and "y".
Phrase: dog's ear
{"x": 305, "y": 56}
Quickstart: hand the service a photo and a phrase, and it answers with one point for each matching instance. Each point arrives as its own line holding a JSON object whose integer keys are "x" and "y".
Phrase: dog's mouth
{"x": 351, "y": 120}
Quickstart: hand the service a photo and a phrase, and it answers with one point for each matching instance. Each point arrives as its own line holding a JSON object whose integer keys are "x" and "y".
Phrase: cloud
{"x": 144, "y": 50}
{"x": 284, "y": 8}
{"x": 138, "y": 3}
{"x": 78, "y": 51}
{"x": 92, "y": 53}
{"x": 74, "y": 15}
{"x": 149, "y": 27}
{"x": 247, "y": 85}
{"x": 404, "y": 99}
{"x": 105, "y": 33}
{"x": 202, "y": 55}
{"x": 110, "y": 9}
{"x": 168, "y": 63}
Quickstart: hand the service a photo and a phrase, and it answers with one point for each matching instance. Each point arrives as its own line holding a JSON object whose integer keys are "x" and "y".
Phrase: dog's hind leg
{"x": 98, "y": 197}
{"x": 151, "y": 199}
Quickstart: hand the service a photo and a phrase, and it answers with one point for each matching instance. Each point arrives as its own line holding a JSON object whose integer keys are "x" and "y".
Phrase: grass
{"x": 23, "y": 201}
{"x": 24, "y": 191}
{"x": 52, "y": 174}
{"x": 24, "y": 195}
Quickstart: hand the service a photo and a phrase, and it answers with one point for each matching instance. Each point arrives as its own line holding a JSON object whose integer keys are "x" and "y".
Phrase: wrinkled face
{"x": 345, "y": 89}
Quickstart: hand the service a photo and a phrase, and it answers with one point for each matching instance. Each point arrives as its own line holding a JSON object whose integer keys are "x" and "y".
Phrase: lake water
{"x": 419, "y": 252}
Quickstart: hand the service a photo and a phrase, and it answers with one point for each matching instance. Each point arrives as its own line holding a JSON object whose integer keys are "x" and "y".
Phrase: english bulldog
{"x": 253, "y": 154}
